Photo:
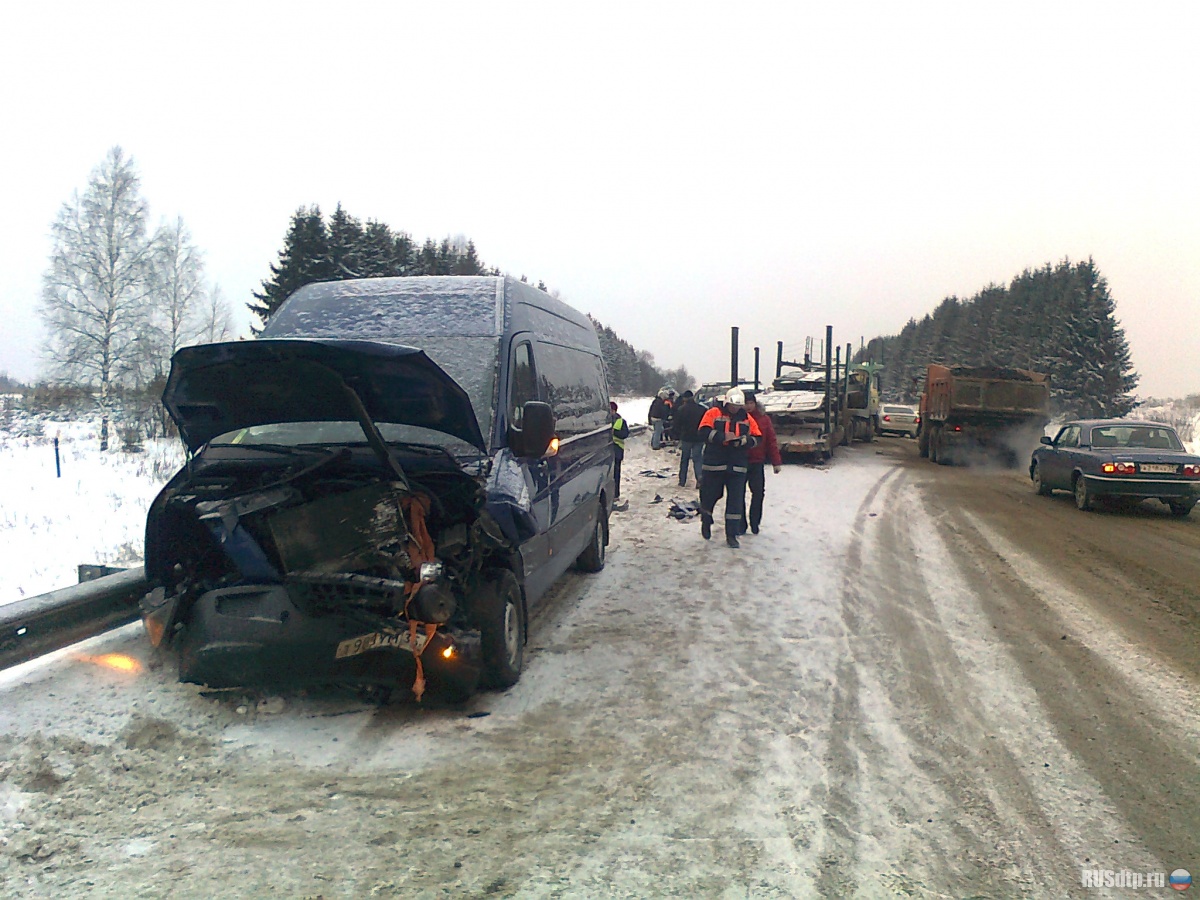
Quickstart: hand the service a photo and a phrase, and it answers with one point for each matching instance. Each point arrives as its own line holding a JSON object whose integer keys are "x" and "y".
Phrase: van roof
{"x": 393, "y": 309}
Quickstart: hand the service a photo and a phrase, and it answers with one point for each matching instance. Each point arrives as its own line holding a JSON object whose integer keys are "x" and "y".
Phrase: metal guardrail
{"x": 39, "y": 625}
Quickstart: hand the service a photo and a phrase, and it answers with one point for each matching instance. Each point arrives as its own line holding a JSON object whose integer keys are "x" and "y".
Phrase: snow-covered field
{"x": 94, "y": 513}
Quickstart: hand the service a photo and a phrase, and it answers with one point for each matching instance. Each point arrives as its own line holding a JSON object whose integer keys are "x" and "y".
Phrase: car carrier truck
{"x": 982, "y": 414}
{"x": 803, "y": 407}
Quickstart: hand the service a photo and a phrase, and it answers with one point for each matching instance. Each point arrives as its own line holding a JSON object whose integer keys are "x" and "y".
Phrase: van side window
{"x": 523, "y": 380}
{"x": 573, "y": 382}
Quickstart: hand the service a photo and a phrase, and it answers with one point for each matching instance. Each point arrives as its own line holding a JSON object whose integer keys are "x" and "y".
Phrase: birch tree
{"x": 216, "y": 317}
{"x": 95, "y": 291}
{"x": 177, "y": 301}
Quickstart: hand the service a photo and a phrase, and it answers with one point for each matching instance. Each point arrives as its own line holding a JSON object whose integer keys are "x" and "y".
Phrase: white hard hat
{"x": 736, "y": 397}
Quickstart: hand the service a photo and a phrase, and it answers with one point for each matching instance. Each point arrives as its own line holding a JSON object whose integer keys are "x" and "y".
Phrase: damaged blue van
{"x": 381, "y": 487}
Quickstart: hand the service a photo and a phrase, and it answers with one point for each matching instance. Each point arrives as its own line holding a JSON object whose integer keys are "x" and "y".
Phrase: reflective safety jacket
{"x": 620, "y": 432}
{"x": 728, "y": 434}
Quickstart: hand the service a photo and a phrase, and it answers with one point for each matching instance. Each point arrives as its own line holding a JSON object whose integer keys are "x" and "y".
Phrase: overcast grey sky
{"x": 673, "y": 169}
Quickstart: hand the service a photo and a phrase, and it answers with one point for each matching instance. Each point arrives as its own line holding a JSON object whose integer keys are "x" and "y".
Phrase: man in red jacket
{"x": 756, "y": 459}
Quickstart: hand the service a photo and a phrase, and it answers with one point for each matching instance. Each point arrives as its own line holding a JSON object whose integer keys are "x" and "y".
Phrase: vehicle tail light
{"x": 918, "y": 422}
{"x": 887, "y": 418}
{"x": 1120, "y": 468}
{"x": 1191, "y": 470}
{"x": 958, "y": 428}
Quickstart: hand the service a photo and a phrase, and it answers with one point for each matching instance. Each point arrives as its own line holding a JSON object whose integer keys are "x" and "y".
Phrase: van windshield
{"x": 470, "y": 361}
{"x": 304, "y": 434}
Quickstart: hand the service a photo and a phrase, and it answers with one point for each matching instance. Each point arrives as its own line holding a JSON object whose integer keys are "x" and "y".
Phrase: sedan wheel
{"x": 1039, "y": 485}
{"x": 1180, "y": 508}
{"x": 1083, "y": 497}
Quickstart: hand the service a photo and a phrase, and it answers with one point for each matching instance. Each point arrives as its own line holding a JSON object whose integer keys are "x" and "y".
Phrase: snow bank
{"x": 94, "y": 513}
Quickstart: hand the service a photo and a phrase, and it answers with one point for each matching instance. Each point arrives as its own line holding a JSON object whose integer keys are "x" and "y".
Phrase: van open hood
{"x": 216, "y": 388}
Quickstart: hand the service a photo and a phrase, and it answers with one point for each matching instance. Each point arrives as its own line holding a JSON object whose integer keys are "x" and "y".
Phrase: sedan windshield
{"x": 1136, "y": 437}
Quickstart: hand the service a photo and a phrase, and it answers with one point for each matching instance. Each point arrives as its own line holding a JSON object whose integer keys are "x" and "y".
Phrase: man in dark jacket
{"x": 659, "y": 411}
{"x": 756, "y": 459}
{"x": 728, "y": 434}
{"x": 686, "y": 422}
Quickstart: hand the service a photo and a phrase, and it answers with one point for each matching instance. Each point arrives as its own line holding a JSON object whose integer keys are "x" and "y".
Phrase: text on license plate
{"x": 1157, "y": 468}
{"x": 378, "y": 640}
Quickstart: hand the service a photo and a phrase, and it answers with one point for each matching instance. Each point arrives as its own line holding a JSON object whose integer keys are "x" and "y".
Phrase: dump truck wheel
{"x": 923, "y": 443}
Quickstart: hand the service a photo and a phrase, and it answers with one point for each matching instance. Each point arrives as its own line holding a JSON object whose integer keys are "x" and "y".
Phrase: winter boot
{"x": 705, "y": 529}
{"x": 732, "y": 541}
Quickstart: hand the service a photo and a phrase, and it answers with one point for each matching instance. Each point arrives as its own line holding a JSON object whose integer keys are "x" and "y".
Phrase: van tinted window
{"x": 573, "y": 383}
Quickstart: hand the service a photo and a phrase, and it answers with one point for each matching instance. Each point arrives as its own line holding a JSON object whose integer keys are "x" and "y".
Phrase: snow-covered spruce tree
{"x": 303, "y": 260}
{"x": 377, "y": 252}
{"x": 345, "y": 245}
{"x": 1093, "y": 375}
{"x": 95, "y": 293}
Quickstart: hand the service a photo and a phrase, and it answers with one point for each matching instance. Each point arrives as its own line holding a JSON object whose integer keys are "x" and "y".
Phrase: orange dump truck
{"x": 982, "y": 414}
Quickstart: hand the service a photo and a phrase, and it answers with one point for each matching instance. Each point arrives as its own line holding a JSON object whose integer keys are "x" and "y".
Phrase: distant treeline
{"x": 1059, "y": 319}
{"x": 344, "y": 247}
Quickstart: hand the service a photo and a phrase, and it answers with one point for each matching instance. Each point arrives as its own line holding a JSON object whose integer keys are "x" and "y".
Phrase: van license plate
{"x": 378, "y": 640}
{"x": 1157, "y": 469}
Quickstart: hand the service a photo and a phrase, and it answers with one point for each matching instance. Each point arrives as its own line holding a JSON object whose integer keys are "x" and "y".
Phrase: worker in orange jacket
{"x": 727, "y": 433}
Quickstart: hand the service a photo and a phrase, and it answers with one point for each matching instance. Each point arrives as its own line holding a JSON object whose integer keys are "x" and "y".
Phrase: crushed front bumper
{"x": 256, "y": 636}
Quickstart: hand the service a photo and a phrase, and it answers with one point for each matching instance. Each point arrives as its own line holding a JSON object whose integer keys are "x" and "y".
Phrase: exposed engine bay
{"x": 305, "y": 565}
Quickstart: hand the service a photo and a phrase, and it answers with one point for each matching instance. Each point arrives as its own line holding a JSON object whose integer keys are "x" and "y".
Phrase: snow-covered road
{"x": 843, "y": 707}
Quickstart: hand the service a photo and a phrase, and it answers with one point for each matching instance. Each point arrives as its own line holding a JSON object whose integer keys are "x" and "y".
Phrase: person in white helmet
{"x": 728, "y": 433}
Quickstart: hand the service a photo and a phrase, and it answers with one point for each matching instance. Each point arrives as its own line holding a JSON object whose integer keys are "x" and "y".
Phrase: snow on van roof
{"x": 389, "y": 309}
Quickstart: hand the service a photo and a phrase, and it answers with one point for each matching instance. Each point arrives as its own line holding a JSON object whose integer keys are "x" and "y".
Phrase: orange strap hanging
{"x": 420, "y": 550}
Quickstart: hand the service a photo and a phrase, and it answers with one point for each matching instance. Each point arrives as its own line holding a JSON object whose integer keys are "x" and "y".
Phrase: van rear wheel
{"x": 593, "y": 556}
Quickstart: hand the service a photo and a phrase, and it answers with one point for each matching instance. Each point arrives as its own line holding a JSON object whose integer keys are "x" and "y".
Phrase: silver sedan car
{"x": 898, "y": 420}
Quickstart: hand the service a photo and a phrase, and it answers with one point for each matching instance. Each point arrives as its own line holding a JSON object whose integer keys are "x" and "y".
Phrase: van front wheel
{"x": 593, "y": 555}
{"x": 502, "y": 631}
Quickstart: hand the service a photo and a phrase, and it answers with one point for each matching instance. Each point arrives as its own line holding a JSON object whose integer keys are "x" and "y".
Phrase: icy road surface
{"x": 915, "y": 682}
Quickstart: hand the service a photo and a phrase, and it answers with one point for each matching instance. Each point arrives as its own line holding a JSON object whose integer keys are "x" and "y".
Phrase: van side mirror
{"x": 1046, "y": 439}
{"x": 533, "y": 438}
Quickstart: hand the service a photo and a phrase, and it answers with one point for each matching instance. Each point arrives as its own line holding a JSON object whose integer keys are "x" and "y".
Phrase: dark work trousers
{"x": 730, "y": 480}
{"x": 617, "y": 474}
{"x": 756, "y": 480}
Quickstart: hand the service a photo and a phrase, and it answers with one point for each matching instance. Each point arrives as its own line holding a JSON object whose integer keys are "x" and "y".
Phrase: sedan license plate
{"x": 1157, "y": 469}
{"x": 378, "y": 640}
